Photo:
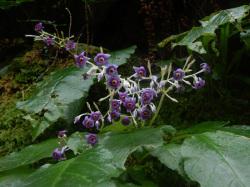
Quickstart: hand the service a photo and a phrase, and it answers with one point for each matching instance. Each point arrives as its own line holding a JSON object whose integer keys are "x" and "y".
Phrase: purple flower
{"x": 129, "y": 103}
{"x": 145, "y": 113}
{"x": 178, "y": 74}
{"x": 140, "y": 71}
{"x": 70, "y": 45}
{"x": 39, "y": 27}
{"x": 62, "y": 133}
{"x": 114, "y": 82}
{"x": 91, "y": 138}
{"x": 49, "y": 41}
{"x": 58, "y": 154}
{"x": 101, "y": 59}
{"x": 122, "y": 96}
{"x": 81, "y": 59}
{"x": 147, "y": 95}
{"x": 111, "y": 70}
{"x": 96, "y": 116}
{"x": 115, "y": 104}
{"x": 199, "y": 83}
{"x": 126, "y": 121}
{"x": 115, "y": 115}
{"x": 88, "y": 122}
{"x": 205, "y": 67}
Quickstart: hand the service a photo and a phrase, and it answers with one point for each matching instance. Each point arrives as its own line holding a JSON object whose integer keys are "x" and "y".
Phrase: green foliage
{"x": 61, "y": 96}
{"x": 223, "y": 159}
{"x": 4, "y": 4}
{"x": 58, "y": 96}
{"x": 211, "y": 158}
{"x": 198, "y": 39}
{"x": 28, "y": 155}
{"x": 95, "y": 166}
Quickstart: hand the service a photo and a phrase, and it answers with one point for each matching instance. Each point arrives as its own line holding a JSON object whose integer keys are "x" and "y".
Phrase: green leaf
{"x": 170, "y": 155}
{"x": 121, "y": 56}
{"x": 193, "y": 39}
{"x": 28, "y": 155}
{"x": 243, "y": 130}
{"x": 98, "y": 165}
{"x": 14, "y": 177}
{"x": 203, "y": 127}
{"x": 91, "y": 168}
{"x": 217, "y": 159}
{"x": 60, "y": 96}
{"x": 123, "y": 144}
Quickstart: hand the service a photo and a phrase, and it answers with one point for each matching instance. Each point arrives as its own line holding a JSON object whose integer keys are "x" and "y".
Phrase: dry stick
{"x": 70, "y": 20}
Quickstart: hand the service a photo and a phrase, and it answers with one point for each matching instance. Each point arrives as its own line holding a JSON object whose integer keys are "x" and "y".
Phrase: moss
{"x": 18, "y": 84}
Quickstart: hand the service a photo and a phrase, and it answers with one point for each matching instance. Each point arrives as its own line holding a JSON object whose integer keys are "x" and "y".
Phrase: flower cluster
{"x": 130, "y": 101}
{"x": 53, "y": 40}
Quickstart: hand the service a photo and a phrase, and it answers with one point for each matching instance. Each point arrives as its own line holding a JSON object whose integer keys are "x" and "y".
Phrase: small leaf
{"x": 77, "y": 143}
{"x": 121, "y": 56}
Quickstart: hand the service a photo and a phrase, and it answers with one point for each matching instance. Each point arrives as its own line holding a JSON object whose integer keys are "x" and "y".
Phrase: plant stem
{"x": 157, "y": 110}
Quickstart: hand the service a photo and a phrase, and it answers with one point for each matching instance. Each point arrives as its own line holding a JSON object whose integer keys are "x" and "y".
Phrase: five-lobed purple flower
{"x": 140, "y": 71}
{"x": 115, "y": 115}
{"x": 126, "y": 120}
{"x": 199, "y": 83}
{"x": 145, "y": 113}
{"x": 49, "y": 41}
{"x": 114, "y": 82}
{"x": 81, "y": 59}
{"x": 88, "y": 122}
{"x": 115, "y": 104}
{"x": 178, "y": 74}
{"x": 129, "y": 104}
{"x": 58, "y": 154}
{"x": 205, "y": 67}
{"x": 39, "y": 27}
{"x": 91, "y": 138}
{"x": 147, "y": 95}
{"x": 95, "y": 116}
{"x": 122, "y": 96}
{"x": 70, "y": 44}
{"x": 62, "y": 133}
{"x": 111, "y": 70}
{"x": 101, "y": 59}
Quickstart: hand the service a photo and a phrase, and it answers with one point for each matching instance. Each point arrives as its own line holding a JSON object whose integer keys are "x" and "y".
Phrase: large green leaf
{"x": 217, "y": 159}
{"x": 28, "y": 155}
{"x": 14, "y": 177}
{"x": 96, "y": 166}
{"x": 60, "y": 96}
{"x": 193, "y": 38}
{"x": 212, "y": 159}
